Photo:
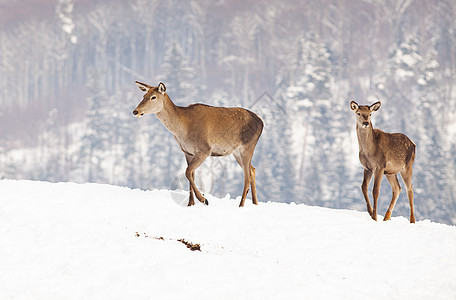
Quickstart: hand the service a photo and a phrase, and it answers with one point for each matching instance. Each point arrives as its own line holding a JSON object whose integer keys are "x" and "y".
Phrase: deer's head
{"x": 364, "y": 112}
{"x": 152, "y": 102}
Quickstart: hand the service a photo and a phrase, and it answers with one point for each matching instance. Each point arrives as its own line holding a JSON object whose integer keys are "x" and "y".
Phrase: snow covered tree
{"x": 64, "y": 10}
{"x": 95, "y": 140}
{"x": 178, "y": 75}
{"x": 50, "y": 141}
{"x": 316, "y": 126}
{"x": 276, "y": 176}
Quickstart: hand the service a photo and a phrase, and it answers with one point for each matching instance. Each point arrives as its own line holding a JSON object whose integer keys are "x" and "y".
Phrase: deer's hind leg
{"x": 395, "y": 186}
{"x": 253, "y": 184}
{"x": 191, "y": 200}
{"x": 243, "y": 156}
{"x": 406, "y": 175}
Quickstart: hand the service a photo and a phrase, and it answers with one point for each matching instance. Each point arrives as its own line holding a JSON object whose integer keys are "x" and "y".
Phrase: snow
{"x": 410, "y": 60}
{"x": 421, "y": 81}
{"x": 402, "y": 73}
{"x": 92, "y": 241}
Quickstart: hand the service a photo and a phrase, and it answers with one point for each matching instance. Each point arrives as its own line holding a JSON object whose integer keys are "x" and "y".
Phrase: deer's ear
{"x": 142, "y": 86}
{"x": 354, "y": 106}
{"x": 375, "y": 106}
{"x": 161, "y": 88}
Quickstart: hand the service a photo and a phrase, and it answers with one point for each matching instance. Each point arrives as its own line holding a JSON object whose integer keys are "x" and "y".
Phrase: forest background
{"x": 67, "y": 72}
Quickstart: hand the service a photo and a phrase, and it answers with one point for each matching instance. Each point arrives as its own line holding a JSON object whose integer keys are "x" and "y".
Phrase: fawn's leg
{"x": 392, "y": 179}
{"x": 366, "y": 180}
{"x": 407, "y": 177}
{"x": 378, "y": 176}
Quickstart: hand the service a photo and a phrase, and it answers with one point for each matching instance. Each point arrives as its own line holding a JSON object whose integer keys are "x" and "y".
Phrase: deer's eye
{"x": 153, "y": 98}
{"x": 359, "y": 114}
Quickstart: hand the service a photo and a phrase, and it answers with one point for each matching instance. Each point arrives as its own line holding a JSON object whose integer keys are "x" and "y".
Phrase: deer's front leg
{"x": 197, "y": 160}
{"x": 378, "y": 176}
{"x": 364, "y": 186}
{"x": 191, "y": 200}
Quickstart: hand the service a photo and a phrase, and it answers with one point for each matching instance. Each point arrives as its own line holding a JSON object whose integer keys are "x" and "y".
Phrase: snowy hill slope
{"x": 89, "y": 241}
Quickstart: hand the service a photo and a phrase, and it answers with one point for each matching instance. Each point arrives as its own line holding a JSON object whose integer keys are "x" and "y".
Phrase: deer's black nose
{"x": 135, "y": 112}
{"x": 366, "y": 123}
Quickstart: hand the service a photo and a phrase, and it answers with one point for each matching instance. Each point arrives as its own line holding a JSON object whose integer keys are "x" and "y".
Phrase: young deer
{"x": 203, "y": 130}
{"x": 383, "y": 153}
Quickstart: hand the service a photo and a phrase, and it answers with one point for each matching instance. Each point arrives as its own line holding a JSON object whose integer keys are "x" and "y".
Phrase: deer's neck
{"x": 170, "y": 116}
{"x": 366, "y": 139}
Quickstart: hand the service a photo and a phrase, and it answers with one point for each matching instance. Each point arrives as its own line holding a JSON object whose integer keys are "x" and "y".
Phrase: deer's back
{"x": 222, "y": 127}
{"x": 398, "y": 150}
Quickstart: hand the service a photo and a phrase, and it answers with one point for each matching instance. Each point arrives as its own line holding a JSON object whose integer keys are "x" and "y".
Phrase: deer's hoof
{"x": 206, "y": 202}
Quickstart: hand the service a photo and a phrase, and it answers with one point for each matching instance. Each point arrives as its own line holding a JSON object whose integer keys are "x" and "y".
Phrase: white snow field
{"x": 91, "y": 241}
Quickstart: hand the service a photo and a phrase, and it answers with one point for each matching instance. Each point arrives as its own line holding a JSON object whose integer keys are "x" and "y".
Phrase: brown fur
{"x": 383, "y": 153}
{"x": 202, "y": 130}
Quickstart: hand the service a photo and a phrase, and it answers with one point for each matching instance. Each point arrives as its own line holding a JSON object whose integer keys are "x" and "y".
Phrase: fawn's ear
{"x": 161, "y": 88}
{"x": 142, "y": 86}
{"x": 375, "y": 106}
{"x": 354, "y": 106}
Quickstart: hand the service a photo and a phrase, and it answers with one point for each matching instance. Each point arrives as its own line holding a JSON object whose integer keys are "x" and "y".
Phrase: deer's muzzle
{"x": 137, "y": 114}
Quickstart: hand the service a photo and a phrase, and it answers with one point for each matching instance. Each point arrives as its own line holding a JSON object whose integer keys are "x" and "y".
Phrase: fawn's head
{"x": 152, "y": 102}
{"x": 364, "y": 112}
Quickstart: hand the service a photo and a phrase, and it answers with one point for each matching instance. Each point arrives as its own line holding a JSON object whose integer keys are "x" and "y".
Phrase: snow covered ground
{"x": 90, "y": 241}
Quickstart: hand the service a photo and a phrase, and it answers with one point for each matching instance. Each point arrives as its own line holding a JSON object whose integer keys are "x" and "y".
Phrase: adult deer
{"x": 383, "y": 153}
{"x": 202, "y": 130}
